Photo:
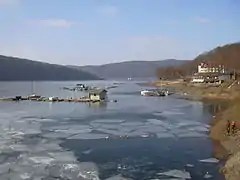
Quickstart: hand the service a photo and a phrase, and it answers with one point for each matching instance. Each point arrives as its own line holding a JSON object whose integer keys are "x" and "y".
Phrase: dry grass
{"x": 204, "y": 90}
{"x": 218, "y": 130}
{"x": 230, "y": 143}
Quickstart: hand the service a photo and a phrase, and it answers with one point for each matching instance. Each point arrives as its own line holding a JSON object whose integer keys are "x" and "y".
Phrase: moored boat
{"x": 148, "y": 93}
{"x": 156, "y": 92}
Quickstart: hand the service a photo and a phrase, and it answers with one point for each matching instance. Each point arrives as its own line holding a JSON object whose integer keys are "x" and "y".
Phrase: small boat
{"x": 53, "y": 99}
{"x": 155, "y": 93}
{"x": 163, "y": 93}
{"x": 81, "y": 85}
{"x": 33, "y": 97}
{"x": 148, "y": 93}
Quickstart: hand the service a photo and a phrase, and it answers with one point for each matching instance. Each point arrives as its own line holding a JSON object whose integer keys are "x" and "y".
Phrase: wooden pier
{"x": 45, "y": 99}
{"x": 93, "y": 96}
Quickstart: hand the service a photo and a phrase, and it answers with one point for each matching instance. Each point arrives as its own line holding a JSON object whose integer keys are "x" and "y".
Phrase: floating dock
{"x": 99, "y": 95}
{"x": 50, "y": 99}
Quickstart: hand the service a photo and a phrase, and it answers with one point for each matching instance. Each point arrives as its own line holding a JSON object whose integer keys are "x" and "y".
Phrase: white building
{"x": 210, "y": 68}
{"x": 210, "y": 72}
{"x": 98, "y": 95}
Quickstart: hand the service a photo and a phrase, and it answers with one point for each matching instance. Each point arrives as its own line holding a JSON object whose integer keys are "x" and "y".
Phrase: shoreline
{"x": 228, "y": 145}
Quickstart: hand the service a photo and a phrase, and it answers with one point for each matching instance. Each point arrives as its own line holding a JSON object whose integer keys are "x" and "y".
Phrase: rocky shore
{"x": 230, "y": 144}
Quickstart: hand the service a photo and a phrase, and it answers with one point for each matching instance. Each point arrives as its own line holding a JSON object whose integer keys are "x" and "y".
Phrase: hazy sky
{"x": 84, "y": 32}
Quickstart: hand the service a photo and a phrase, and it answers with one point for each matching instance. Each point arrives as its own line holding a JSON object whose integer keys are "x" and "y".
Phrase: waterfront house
{"x": 211, "y": 68}
{"x": 210, "y": 73}
{"x": 97, "y": 94}
{"x": 210, "y": 77}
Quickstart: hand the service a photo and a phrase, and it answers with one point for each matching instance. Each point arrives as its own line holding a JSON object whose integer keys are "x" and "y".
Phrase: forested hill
{"x": 227, "y": 55}
{"x": 133, "y": 69}
{"x": 17, "y": 69}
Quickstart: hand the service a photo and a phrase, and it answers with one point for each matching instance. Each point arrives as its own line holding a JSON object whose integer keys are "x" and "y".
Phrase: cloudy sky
{"x": 84, "y": 32}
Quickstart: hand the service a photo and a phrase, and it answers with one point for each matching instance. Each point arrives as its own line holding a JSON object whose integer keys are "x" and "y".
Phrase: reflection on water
{"x": 138, "y": 137}
{"x": 217, "y": 106}
{"x": 98, "y": 105}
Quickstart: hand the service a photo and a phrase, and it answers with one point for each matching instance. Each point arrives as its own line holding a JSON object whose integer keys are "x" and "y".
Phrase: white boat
{"x": 144, "y": 93}
{"x": 148, "y": 93}
{"x": 154, "y": 93}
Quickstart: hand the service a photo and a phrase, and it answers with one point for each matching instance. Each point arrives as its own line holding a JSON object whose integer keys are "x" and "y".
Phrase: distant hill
{"x": 133, "y": 69}
{"x": 227, "y": 55}
{"x": 17, "y": 69}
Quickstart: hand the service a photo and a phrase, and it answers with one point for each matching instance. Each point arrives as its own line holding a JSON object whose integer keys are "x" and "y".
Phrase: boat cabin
{"x": 80, "y": 85}
{"x": 97, "y": 95}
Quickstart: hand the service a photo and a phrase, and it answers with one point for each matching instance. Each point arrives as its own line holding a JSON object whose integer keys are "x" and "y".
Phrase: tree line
{"x": 227, "y": 55}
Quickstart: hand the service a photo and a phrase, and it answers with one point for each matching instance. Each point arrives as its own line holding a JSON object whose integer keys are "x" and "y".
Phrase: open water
{"x": 139, "y": 138}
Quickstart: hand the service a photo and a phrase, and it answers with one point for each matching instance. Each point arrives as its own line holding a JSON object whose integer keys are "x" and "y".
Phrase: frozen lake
{"x": 140, "y": 138}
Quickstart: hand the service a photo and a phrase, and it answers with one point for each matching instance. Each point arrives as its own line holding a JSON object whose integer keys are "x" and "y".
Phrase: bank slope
{"x": 17, "y": 69}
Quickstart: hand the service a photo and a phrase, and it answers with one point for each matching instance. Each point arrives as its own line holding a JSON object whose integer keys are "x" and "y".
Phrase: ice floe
{"x": 117, "y": 177}
{"x": 87, "y": 151}
{"x": 45, "y": 120}
{"x": 25, "y": 153}
{"x": 207, "y": 176}
{"x": 210, "y": 160}
{"x": 191, "y": 135}
{"x": 89, "y": 136}
{"x": 119, "y": 127}
{"x": 112, "y": 132}
{"x": 19, "y": 147}
{"x": 176, "y": 174}
{"x": 173, "y": 112}
{"x": 109, "y": 127}
{"x": 73, "y": 131}
{"x": 54, "y": 135}
{"x": 108, "y": 121}
{"x": 165, "y": 135}
{"x": 184, "y": 123}
{"x": 4, "y": 168}
{"x": 157, "y": 122}
{"x": 36, "y": 154}
{"x": 132, "y": 124}
{"x": 42, "y": 160}
{"x": 106, "y": 126}
{"x": 189, "y": 165}
{"x": 63, "y": 156}
{"x": 68, "y": 127}
{"x": 153, "y": 129}
{"x": 199, "y": 129}
{"x": 89, "y": 170}
{"x": 32, "y": 119}
{"x": 170, "y": 179}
